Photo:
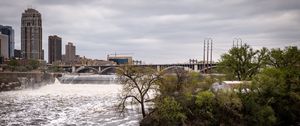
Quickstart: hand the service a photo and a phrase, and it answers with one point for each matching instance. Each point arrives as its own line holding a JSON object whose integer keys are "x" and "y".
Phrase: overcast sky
{"x": 160, "y": 31}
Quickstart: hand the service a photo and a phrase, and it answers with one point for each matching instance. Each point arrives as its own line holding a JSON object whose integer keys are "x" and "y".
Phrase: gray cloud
{"x": 164, "y": 31}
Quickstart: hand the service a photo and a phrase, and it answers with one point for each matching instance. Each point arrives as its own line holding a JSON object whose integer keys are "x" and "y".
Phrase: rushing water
{"x": 88, "y": 79}
{"x": 65, "y": 104}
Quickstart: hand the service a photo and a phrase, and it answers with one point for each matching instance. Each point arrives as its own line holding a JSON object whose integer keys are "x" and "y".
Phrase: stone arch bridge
{"x": 111, "y": 69}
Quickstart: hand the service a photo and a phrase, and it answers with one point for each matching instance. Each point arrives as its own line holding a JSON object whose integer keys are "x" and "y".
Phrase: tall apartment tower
{"x": 9, "y": 31}
{"x": 54, "y": 49}
{"x": 70, "y": 52}
{"x": 31, "y": 34}
{"x": 4, "y": 46}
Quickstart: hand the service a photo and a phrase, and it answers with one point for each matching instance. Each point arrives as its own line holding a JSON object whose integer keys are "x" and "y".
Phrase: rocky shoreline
{"x": 10, "y": 86}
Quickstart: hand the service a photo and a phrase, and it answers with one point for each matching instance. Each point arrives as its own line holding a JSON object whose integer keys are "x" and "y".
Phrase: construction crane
{"x": 120, "y": 54}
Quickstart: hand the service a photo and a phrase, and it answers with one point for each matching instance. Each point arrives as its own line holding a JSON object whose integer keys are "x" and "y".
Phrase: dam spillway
{"x": 88, "y": 79}
{"x": 66, "y": 104}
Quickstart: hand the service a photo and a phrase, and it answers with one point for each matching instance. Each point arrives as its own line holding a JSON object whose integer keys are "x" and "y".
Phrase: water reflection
{"x": 64, "y": 104}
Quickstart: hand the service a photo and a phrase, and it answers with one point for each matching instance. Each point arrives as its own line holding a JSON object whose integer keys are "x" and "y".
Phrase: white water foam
{"x": 64, "y": 104}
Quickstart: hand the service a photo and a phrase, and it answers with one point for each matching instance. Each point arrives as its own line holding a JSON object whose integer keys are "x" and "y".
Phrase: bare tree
{"x": 137, "y": 82}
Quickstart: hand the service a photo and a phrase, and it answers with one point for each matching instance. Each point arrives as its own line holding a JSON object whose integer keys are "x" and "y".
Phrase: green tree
{"x": 279, "y": 85}
{"x": 200, "y": 106}
{"x": 243, "y": 62}
{"x": 55, "y": 68}
{"x": 227, "y": 109}
{"x": 288, "y": 58}
{"x": 255, "y": 111}
{"x": 13, "y": 64}
{"x": 170, "y": 112}
{"x": 205, "y": 103}
{"x": 287, "y": 61}
{"x": 33, "y": 64}
{"x": 274, "y": 91}
{"x": 180, "y": 82}
{"x": 272, "y": 97}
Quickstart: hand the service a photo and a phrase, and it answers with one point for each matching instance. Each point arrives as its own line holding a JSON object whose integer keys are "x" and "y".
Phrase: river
{"x": 65, "y": 104}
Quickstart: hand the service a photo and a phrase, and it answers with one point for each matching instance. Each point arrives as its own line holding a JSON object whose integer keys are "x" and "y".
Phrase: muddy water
{"x": 65, "y": 104}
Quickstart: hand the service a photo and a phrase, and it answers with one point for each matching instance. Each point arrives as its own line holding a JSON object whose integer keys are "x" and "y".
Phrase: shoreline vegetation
{"x": 271, "y": 95}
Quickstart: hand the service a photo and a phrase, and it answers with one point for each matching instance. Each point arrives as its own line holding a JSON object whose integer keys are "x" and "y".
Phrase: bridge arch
{"x": 170, "y": 68}
{"x": 207, "y": 68}
{"x": 109, "y": 70}
{"x": 82, "y": 68}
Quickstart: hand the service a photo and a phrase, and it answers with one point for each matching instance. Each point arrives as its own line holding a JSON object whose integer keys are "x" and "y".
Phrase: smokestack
{"x": 204, "y": 54}
{"x": 207, "y": 53}
{"x": 211, "y": 45}
{"x": 241, "y": 42}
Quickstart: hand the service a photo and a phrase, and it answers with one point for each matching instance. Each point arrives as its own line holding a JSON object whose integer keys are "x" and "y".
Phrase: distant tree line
{"x": 22, "y": 66}
{"x": 15, "y": 65}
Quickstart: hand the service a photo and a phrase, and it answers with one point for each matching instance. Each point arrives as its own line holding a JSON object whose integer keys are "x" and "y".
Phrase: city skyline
{"x": 161, "y": 32}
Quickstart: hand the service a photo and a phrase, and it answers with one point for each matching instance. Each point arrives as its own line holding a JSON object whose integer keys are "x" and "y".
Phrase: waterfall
{"x": 88, "y": 79}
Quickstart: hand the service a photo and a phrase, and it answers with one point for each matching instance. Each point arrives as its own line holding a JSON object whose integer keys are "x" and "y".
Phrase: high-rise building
{"x": 54, "y": 49}
{"x": 31, "y": 34}
{"x": 4, "y": 46}
{"x": 42, "y": 54}
{"x": 9, "y": 31}
{"x": 70, "y": 53}
{"x": 17, "y": 53}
